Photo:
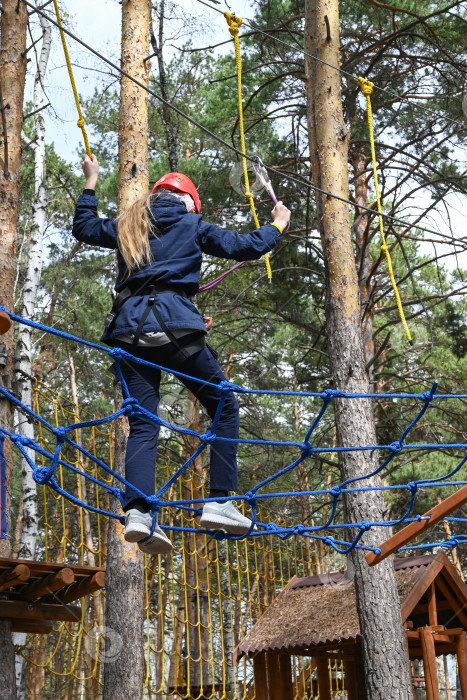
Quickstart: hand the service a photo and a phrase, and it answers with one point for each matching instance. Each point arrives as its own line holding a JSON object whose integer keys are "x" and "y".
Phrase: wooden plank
{"x": 259, "y": 672}
{"x": 408, "y": 533}
{"x": 432, "y": 612}
{"x": 422, "y": 608}
{"x": 461, "y": 651}
{"x": 12, "y": 577}
{"x": 324, "y": 683}
{"x": 456, "y": 607}
{"x": 429, "y": 664}
{"x": 424, "y": 580}
{"x": 52, "y": 582}
{"x": 42, "y": 568}
{"x": 32, "y": 626}
{"x": 417, "y": 652}
{"x": 19, "y": 610}
{"x": 285, "y": 670}
{"x": 79, "y": 589}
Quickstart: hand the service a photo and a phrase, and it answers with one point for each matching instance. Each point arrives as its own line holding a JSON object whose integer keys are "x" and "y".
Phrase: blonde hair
{"x": 134, "y": 228}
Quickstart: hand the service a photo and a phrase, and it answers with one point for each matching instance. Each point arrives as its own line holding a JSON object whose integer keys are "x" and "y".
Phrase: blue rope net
{"x": 253, "y": 498}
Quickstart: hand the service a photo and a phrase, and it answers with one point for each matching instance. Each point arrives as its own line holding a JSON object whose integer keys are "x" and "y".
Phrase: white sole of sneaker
{"x": 135, "y": 533}
{"x": 217, "y": 522}
{"x": 156, "y": 545}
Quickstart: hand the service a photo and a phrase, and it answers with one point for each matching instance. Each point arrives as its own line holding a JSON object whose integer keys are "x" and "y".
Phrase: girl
{"x": 159, "y": 241}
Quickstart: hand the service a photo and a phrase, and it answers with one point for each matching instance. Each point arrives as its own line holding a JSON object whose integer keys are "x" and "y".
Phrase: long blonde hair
{"x": 134, "y": 228}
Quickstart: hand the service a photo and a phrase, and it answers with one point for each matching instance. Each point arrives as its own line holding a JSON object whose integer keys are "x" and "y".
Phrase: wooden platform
{"x": 35, "y": 594}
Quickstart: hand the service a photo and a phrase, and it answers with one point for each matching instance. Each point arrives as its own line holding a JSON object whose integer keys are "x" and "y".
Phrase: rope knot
{"x": 365, "y": 526}
{"x": 225, "y": 385}
{"x": 117, "y": 353}
{"x": 412, "y": 487}
{"x": 427, "y": 396}
{"x": 453, "y": 542}
{"x": 395, "y": 446}
{"x": 307, "y": 449}
{"x": 366, "y": 86}
{"x": 329, "y": 541}
{"x": 384, "y": 248}
{"x": 41, "y": 475}
{"x": 335, "y": 491}
{"x": 60, "y": 433}
{"x": 154, "y": 502}
{"x": 299, "y": 529}
{"x": 233, "y": 22}
{"x": 130, "y": 406}
{"x": 250, "y": 498}
{"x": 81, "y": 122}
{"x": 208, "y": 437}
{"x": 249, "y": 195}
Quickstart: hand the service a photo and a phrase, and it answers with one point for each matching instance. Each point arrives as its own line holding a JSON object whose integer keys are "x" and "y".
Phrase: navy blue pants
{"x": 143, "y": 384}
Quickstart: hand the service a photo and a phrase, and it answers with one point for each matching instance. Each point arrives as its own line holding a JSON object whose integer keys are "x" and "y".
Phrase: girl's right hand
{"x": 281, "y": 215}
{"x": 91, "y": 171}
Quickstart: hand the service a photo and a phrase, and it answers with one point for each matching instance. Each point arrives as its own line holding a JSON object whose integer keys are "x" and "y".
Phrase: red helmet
{"x": 179, "y": 183}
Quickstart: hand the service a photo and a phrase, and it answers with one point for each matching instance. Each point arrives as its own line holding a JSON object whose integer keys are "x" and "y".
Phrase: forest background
{"x": 273, "y": 336}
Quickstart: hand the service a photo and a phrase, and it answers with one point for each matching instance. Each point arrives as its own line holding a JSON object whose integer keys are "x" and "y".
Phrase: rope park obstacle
{"x": 416, "y": 524}
{"x": 130, "y": 406}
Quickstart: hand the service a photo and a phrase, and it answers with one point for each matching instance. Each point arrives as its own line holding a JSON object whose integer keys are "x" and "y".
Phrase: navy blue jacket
{"x": 181, "y": 238}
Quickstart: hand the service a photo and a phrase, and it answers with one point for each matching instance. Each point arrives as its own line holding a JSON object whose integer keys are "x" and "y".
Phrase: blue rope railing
{"x": 131, "y": 407}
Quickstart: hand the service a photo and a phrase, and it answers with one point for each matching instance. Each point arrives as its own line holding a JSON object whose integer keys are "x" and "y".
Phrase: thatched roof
{"x": 321, "y": 610}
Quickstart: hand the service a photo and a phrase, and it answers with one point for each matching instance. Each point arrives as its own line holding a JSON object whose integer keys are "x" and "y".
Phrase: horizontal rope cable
{"x": 292, "y": 178}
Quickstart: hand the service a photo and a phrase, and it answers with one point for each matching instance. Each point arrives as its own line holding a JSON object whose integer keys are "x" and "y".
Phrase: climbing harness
{"x": 367, "y": 89}
{"x": 183, "y": 351}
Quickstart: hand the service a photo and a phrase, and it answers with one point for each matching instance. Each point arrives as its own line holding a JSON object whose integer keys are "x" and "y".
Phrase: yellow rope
{"x": 234, "y": 24}
{"x": 367, "y": 89}
{"x": 72, "y": 81}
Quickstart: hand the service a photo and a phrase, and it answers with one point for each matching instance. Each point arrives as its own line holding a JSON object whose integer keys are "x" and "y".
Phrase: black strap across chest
{"x": 183, "y": 352}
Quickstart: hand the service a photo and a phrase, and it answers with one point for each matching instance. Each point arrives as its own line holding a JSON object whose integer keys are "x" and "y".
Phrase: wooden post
{"x": 351, "y": 680}
{"x": 429, "y": 664}
{"x": 461, "y": 651}
{"x": 124, "y": 675}
{"x": 260, "y": 676}
{"x": 432, "y": 611}
{"x": 285, "y": 668}
{"x": 324, "y": 683}
{"x": 384, "y": 653}
{"x": 274, "y": 676}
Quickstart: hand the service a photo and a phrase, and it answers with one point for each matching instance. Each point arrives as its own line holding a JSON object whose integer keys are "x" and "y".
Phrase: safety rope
{"x": 367, "y": 89}
{"x": 72, "y": 81}
{"x": 234, "y": 24}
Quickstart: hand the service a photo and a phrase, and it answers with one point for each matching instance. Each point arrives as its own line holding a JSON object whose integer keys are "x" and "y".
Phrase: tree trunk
{"x": 384, "y": 649}
{"x": 166, "y": 115}
{"x": 124, "y": 678}
{"x": 23, "y": 352}
{"x": 13, "y": 24}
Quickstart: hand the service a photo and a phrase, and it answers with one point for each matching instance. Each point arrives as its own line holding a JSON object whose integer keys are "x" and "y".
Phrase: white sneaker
{"x": 224, "y": 516}
{"x": 138, "y": 526}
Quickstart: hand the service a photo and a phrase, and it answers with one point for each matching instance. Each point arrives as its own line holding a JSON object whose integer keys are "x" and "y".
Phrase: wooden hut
{"x": 316, "y": 617}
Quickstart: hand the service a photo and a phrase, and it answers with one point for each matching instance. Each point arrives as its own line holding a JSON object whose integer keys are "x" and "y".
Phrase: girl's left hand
{"x": 91, "y": 171}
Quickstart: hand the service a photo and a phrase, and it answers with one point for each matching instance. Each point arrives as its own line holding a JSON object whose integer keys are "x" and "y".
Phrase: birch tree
{"x": 23, "y": 351}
